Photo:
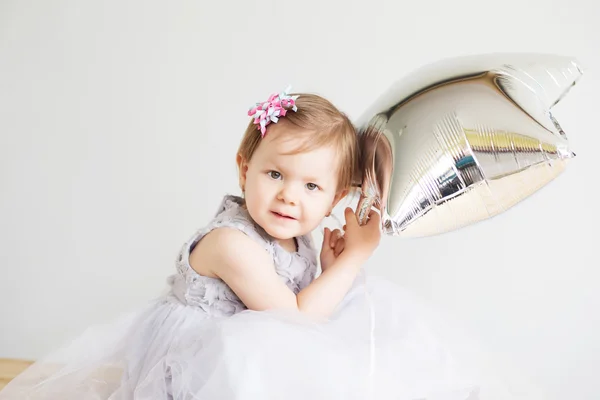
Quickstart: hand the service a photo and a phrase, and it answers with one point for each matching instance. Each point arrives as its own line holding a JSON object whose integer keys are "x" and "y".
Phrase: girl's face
{"x": 288, "y": 195}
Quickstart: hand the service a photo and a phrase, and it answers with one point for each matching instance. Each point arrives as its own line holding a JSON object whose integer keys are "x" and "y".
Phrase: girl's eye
{"x": 311, "y": 186}
{"x": 274, "y": 174}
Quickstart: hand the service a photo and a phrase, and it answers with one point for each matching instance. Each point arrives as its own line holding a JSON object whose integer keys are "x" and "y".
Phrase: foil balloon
{"x": 462, "y": 140}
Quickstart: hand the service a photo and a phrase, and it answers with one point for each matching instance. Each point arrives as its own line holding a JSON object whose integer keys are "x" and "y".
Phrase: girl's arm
{"x": 249, "y": 271}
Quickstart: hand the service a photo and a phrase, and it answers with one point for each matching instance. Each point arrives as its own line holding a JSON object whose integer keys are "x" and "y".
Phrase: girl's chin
{"x": 282, "y": 234}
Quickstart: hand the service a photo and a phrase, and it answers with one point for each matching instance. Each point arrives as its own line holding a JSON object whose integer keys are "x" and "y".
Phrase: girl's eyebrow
{"x": 274, "y": 165}
{"x": 312, "y": 179}
{"x": 281, "y": 168}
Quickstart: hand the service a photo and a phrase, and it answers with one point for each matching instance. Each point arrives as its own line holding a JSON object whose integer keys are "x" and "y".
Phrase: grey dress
{"x": 199, "y": 341}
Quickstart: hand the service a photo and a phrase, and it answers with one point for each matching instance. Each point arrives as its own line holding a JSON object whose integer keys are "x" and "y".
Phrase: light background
{"x": 119, "y": 122}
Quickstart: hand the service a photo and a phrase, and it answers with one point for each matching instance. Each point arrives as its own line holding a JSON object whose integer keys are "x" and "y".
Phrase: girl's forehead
{"x": 287, "y": 150}
{"x": 292, "y": 140}
{"x": 296, "y": 147}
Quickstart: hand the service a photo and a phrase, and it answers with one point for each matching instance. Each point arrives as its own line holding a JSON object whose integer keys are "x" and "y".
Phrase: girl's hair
{"x": 323, "y": 125}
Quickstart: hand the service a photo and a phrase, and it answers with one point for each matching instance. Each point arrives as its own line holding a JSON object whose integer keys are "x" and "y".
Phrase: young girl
{"x": 245, "y": 316}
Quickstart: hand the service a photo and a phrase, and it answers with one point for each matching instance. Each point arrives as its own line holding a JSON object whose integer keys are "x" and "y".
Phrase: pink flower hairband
{"x": 269, "y": 111}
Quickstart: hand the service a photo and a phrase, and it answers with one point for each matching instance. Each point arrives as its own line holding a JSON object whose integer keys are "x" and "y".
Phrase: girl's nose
{"x": 287, "y": 195}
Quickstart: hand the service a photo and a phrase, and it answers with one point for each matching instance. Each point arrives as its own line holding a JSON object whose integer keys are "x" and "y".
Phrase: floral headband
{"x": 269, "y": 111}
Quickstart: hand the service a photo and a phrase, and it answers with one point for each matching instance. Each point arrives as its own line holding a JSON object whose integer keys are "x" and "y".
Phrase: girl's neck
{"x": 290, "y": 245}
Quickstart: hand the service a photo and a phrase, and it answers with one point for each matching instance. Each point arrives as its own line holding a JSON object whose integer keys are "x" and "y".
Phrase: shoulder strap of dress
{"x": 231, "y": 214}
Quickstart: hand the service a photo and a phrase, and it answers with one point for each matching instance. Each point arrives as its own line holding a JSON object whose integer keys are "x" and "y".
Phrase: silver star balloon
{"x": 462, "y": 140}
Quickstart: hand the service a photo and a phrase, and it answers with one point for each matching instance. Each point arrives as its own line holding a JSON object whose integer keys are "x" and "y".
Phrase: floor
{"x": 10, "y": 368}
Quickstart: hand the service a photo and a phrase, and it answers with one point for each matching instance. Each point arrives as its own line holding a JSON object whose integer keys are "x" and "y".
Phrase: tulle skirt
{"x": 380, "y": 344}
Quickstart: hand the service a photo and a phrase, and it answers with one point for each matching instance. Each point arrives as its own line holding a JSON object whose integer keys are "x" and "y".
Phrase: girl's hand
{"x": 333, "y": 245}
{"x": 361, "y": 241}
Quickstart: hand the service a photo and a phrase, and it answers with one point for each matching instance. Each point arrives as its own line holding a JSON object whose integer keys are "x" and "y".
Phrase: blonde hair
{"x": 324, "y": 125}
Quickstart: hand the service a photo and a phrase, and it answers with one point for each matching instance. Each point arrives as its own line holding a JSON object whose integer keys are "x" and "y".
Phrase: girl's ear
{"x": 243, "y": 169}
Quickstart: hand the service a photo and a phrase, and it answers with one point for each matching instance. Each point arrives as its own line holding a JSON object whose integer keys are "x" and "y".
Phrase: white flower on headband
{"x": 269, "y": 111}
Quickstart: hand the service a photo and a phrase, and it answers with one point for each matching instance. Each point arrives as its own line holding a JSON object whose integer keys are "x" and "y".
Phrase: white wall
{"x": 119, "y": 123}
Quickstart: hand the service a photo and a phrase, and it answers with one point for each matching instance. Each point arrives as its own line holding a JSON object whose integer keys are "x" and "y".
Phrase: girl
{"x": 246, "y": 316}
